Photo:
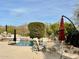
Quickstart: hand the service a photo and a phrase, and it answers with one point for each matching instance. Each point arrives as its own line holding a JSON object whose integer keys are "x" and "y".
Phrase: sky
{"x": 17, "y": 12}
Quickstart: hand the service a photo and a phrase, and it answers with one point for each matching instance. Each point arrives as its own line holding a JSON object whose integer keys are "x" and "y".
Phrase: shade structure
{"x": 61, "y": 30}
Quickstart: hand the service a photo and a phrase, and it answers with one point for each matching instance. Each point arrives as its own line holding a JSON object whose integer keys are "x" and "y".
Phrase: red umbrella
{"x": 61, "y": 30}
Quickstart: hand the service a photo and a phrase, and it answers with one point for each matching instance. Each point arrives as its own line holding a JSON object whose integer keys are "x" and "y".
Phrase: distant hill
{"x": 22, "y": 29}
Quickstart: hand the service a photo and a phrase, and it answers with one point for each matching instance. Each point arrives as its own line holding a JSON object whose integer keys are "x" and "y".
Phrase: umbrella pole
{"x": 61, "y": 50}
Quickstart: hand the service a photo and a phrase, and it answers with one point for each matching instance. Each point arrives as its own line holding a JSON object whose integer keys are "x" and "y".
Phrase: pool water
{"x": 25, "y": 43}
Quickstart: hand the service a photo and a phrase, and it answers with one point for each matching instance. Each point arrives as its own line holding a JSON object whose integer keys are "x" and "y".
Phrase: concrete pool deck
{"x": 23, "y": 52}
{"x": 17, "y": 52}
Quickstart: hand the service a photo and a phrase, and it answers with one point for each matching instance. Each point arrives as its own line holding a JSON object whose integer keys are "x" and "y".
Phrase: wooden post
{"x": 14, "y": 35}
{"x": 6, "y": 28}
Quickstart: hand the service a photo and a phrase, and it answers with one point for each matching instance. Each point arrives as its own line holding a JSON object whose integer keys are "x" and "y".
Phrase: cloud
{"x": 18, "y": 12}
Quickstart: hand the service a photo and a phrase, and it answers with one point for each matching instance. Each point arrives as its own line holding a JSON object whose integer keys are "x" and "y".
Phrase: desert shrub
{"x": 37, "y": 29}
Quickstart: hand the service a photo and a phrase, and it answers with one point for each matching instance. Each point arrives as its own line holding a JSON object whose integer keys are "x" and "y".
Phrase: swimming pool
{"x": 25, "y": 43}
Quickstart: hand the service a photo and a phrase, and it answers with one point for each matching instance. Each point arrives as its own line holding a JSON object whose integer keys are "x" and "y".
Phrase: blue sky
{"x": 17, "y": 12}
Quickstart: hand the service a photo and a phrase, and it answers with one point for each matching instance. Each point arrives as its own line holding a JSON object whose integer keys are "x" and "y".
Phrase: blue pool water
{"x": 25, "y": 43}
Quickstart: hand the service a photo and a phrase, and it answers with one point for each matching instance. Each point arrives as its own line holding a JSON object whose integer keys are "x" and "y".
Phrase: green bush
{"x": 2, "y": 30}
{"x": 37, "y": 29}
{"x": 26, "y": 34}
{"x": 10, "y": 29}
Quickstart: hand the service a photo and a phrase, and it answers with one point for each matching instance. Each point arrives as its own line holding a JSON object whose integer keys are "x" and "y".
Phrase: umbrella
{"x": 61, "y": 30}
